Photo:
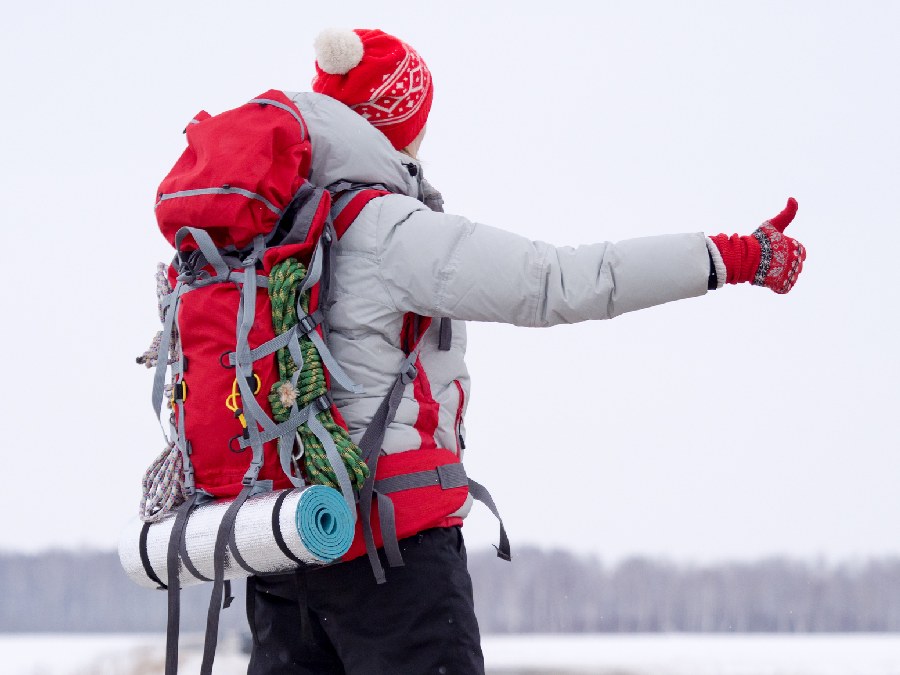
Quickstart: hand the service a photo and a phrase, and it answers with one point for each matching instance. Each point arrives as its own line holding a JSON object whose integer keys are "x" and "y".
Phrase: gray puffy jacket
{"x": 399, "y": 256}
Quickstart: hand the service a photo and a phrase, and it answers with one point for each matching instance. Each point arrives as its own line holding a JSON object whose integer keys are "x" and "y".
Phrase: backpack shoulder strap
{"x": 349, "y": 205}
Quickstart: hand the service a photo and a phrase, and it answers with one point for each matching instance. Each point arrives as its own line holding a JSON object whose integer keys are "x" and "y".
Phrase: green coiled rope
{"x": 284, "y": 281}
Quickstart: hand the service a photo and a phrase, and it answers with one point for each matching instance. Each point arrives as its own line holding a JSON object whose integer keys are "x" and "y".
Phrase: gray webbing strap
{"x": 253, "y": 412}
{"x": 287, "y": 108}
{"x": 184, "y": 448}
{"x": 370, "y": 444}
{"x": 479, "y": 492}
{"x": 276, "y": 527}
{"x": 288, "y": 436}
{"x": 145, "y": 558}
{"x": 328, "y": 241}
{"x": 388, "y": 523}
{"x": 337, "y": 464}
{"x": 215, "y": 600}
{"x": 306, "y": 325}
{"x": 340, "y": 187}
{"x": 219, "y": 191}
{"x": 370, "y": 450}
{"x": 446, "y": 335}
{"x": 288, "y": 429}
{"x": 313, "y": 274}
{"x": 282, "y": 428}
{"x": 446, "y": 476}
{"x": 309, "y": 198}
{"x": 162, "y": 361}
{"x": 173, "y": 623}
{"x": 266, "y": 348}
{"x": 188, "y": 563}
{"x": 296, "y": 353}
{"x": 236, "y": 554}
{"x": 338, "y": 374}
{"x": 286, "y": 457}
{"x": 206, "y": 246}
{"x": 236, "y": 277}
{"x": 341, "y": 202}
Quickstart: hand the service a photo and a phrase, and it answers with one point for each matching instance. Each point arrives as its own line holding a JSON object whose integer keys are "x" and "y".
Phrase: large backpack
{"x": 242, "y": 362}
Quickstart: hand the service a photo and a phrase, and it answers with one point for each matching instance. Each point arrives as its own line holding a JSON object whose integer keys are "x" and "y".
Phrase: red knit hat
{"x": 378, "y": 76}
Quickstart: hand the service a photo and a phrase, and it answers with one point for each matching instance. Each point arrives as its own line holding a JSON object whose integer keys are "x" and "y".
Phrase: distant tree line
{"x": 557, "y": 592}
{"x": 540, "y": 591}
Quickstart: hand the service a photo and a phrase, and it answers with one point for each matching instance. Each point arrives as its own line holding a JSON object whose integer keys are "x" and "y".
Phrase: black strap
{"x": 276, "y": 527}
{"x": 447, "y": 476}
{"x": 174, "y": 587}
{"x": 188, "y": 563}
{"x": 388, "y": 522}
{"x": 446, "y": 334}
{"x": 215, "y": 600}
{"x": 370, "y": 446}
{"x": 229, "y": 597}
{"x": 145, "y": 559}
{"x": 239, "y": 559}
{"x": 479, "y": 492}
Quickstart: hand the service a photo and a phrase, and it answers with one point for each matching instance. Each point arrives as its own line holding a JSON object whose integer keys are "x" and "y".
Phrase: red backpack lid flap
{"x": 239, "y": 172}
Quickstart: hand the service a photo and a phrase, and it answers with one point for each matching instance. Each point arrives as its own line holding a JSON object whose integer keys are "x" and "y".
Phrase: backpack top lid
{"x": 239, "y": 173}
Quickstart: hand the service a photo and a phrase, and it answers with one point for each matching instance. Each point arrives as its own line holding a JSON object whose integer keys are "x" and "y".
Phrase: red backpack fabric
{"x": 235, "y": 181}
{"x": 241, "y": 169}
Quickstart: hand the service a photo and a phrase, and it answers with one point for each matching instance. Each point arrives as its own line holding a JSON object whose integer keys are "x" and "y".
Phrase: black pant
{"x": 337, "y": 620}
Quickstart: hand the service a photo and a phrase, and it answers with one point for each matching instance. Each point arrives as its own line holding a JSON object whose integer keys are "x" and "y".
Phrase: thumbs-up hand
{"x": 768, "y": 257}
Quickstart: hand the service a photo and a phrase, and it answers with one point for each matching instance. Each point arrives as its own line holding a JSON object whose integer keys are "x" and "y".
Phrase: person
{"x": 403, "y": 255}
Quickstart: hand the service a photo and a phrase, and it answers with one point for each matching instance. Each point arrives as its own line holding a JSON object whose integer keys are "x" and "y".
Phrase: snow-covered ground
{"x": 673, "y": 654}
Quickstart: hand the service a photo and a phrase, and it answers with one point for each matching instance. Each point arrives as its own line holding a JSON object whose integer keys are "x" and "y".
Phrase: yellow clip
{"x": 179, "y": 388}
{"x": 231, "y": 402}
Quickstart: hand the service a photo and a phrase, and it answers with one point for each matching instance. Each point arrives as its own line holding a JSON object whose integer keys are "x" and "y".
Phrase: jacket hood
{"x": 346, "y": 148}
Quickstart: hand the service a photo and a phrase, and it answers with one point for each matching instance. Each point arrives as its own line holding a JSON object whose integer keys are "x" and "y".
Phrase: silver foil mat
{"x": 253, "y": 534}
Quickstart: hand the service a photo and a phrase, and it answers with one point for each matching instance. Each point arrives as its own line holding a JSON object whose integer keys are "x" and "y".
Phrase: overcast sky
{"x": 737, "y": 425}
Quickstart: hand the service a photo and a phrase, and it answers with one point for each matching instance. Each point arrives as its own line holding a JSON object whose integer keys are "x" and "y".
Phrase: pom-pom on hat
{"x": 380, "y": 77}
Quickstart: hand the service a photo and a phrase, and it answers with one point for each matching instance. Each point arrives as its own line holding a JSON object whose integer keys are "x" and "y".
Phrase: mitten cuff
{"x": 741, "y": 256}
{"x": 718, "y": 263}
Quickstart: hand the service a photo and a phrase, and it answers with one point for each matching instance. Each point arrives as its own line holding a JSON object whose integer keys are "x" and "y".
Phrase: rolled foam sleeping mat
{"x": 316, "y": 524}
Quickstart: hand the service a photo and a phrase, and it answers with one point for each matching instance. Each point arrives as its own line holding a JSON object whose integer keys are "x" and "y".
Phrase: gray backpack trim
{"x": 278, "y": 104}
{"x": 223, "y": 190}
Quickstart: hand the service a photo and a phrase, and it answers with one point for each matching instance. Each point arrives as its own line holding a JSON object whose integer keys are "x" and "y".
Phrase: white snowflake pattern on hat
{"x": 386, "y": 107}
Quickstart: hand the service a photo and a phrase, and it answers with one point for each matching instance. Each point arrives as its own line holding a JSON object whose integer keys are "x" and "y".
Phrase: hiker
{"x": 403, "y": 257}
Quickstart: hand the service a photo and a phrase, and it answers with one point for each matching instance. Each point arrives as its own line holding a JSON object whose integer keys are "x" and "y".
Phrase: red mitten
{"x": 767, "y": 257}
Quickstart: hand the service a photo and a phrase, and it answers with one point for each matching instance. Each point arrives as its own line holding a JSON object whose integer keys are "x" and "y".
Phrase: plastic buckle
{"x": 189, "y": 479}
{"x": 179, "y": 391}
{"x": 307, "y": 324}
{"x": 410, "y": 374}
{"x": 251, "y": 475}
{"x": 323, "y": 403}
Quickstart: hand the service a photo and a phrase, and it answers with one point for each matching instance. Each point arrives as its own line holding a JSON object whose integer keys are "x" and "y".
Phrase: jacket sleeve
{"x": 438, "y": 264}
